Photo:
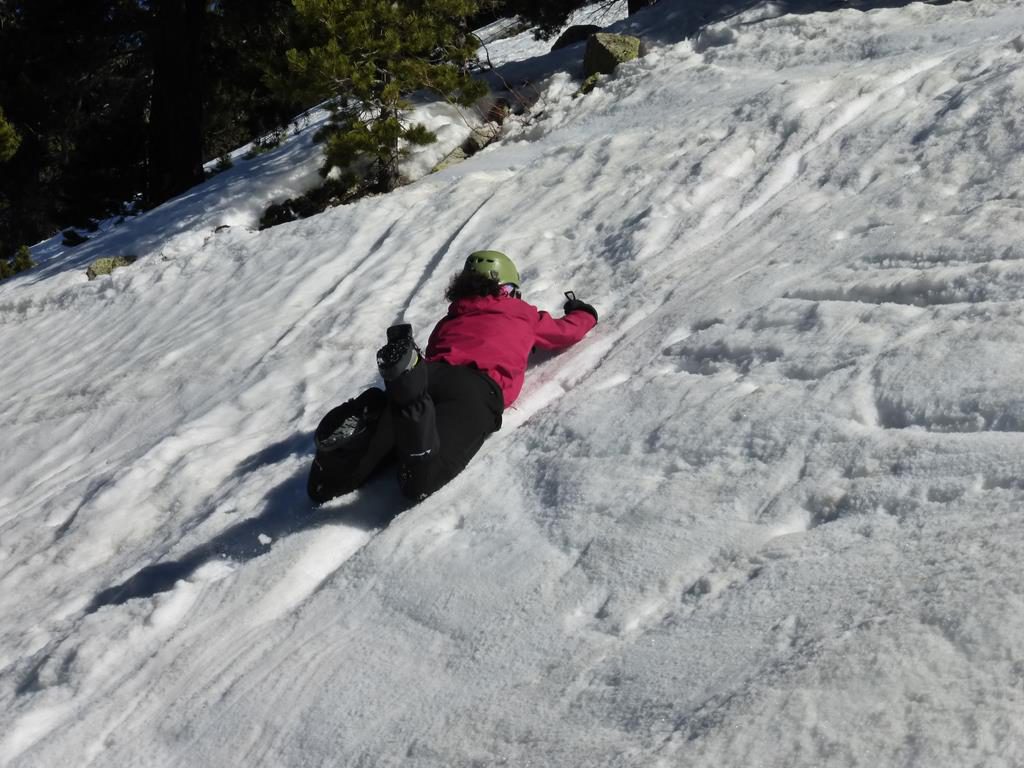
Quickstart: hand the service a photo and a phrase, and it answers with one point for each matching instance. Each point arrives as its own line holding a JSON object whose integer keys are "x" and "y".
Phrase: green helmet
{"x": 495, "y": 265}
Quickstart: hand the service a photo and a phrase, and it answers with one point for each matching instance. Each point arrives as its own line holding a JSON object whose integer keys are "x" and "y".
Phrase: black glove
{"x": 572, "y": 304}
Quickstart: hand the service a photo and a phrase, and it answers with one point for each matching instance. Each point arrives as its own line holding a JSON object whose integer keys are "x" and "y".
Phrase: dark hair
{"x": 465, "y": 284}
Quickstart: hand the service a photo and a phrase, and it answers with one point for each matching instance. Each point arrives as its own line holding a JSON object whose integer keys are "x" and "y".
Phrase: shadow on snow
{"x": 286, "y": 510}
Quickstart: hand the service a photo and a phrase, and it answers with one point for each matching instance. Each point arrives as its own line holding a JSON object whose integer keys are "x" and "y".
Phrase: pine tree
{"x": 369, "y": 56}
{"x": 208, "y": 95}
{"x": 244, "y": 38}
{"x": 19, "y": 262}
{"x": 176, "y": 107}
{"x": 70, "y": 83}
{"x": 111, "y": 98}
{"x": 9, "y": 139}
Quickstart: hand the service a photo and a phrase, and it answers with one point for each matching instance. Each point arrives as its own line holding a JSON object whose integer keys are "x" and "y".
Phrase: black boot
{"x": 352, "y": 440}
{"x": 400, "y": 353}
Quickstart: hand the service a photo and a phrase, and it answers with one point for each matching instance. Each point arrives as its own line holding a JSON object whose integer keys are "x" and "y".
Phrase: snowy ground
{"x": 767, "y": 513}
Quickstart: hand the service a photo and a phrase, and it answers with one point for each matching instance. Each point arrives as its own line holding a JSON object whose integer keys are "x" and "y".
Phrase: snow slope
{"x": 767, "y": 513}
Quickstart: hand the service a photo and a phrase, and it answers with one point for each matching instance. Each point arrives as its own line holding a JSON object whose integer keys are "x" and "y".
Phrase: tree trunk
{"x": 387, "y": 175}
{"x": 176, "y": 114}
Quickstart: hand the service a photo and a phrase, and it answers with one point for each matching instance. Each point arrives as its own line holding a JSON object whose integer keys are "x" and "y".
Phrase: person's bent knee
{"x": 414, "y": 491}
{"x": 416, "y": 482}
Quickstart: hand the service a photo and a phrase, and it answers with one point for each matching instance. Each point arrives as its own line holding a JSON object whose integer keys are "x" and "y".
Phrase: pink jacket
{"x": 496, "y": 335}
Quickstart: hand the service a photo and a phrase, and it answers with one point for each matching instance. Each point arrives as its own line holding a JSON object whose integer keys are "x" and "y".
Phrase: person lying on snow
{"x": 438, "y": 408}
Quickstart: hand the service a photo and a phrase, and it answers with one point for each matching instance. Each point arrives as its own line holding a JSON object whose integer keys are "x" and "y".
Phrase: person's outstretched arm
{"x": 558, "y": 333}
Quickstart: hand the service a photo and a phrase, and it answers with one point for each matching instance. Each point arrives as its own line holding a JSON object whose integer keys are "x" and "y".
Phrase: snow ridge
{"x": 766, "y": 513}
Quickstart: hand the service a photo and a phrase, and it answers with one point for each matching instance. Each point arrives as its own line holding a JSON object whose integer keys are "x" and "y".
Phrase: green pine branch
{"x": 367, "y": 57}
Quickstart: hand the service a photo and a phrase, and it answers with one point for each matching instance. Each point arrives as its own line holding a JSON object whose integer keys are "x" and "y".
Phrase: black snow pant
{"x": 440, "y": 416}
{"x": 432, "y": 421}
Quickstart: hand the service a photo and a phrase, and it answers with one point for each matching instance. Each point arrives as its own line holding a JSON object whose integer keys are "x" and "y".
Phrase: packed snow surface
{"x": 767, "y": 513}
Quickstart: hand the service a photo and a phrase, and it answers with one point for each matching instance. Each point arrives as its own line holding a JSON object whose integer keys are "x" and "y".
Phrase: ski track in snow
{"x": 764, "y": 514}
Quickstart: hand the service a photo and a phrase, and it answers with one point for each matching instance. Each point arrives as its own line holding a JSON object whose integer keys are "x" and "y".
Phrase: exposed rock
{"x": 575, "y": 34}
{"x": 498, "y": 111}
{"x": 714, "y": 36}
{"x": 517, "y": 100}
{"x": 633, "y": 6}
{"x": 333, "y": 192}
{"x": 72, "y": 238}
{"x": 107, "y": 265}
{"x": 478, "y": 139}
{"x": 606, "y": 51}
{"x": 501, "y": 29}
{"x": 588, "y": 85}
{"x": 277, "y": 214}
